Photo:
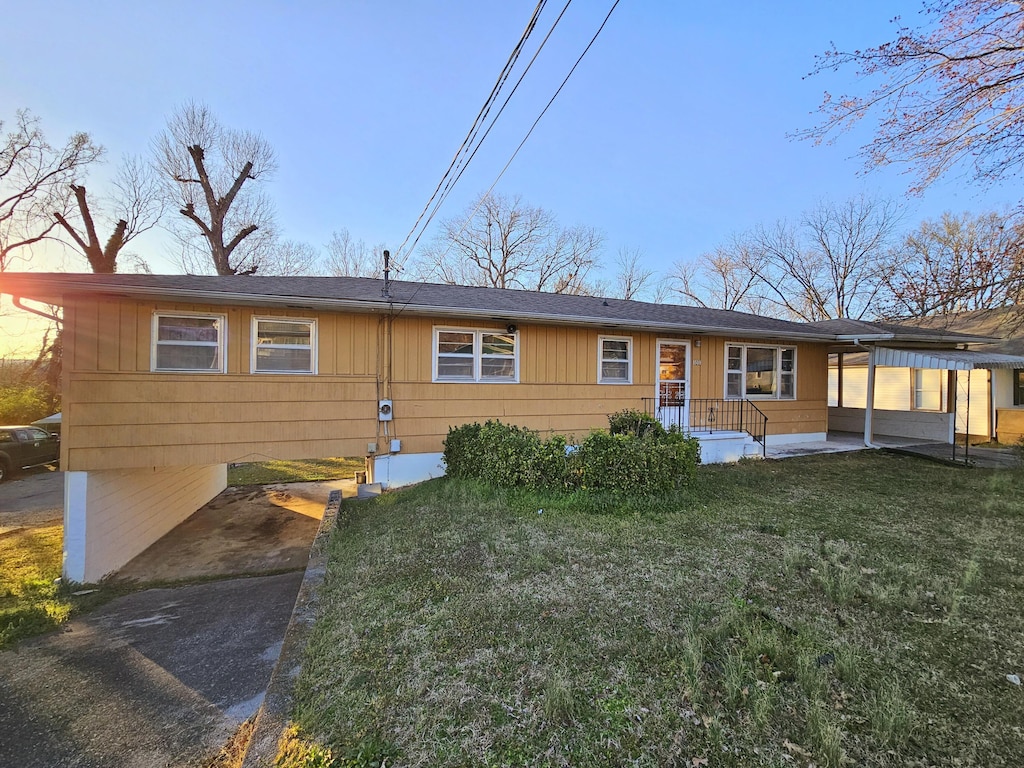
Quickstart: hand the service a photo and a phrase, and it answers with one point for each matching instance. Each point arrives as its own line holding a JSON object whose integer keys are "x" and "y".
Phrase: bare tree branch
{"x": 209, "y": 172}
{"x": 948, "y": 93}
{"x": 34, "y": 179}
{"x": 504, "y": 243}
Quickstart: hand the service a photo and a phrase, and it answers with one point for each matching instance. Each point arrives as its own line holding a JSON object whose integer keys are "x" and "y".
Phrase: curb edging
{"x": 273, "y": 714}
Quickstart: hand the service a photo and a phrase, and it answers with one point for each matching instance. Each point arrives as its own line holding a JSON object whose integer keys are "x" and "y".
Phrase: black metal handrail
{"x": 711, "y": 415}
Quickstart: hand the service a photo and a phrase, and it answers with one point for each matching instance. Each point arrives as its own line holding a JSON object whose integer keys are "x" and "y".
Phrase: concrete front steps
{"x": 726, "y": 446}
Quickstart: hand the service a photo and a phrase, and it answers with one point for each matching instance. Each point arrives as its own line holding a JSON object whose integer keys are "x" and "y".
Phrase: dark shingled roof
{"x": 365, "y": 294}
{"x": 871, "y": 331}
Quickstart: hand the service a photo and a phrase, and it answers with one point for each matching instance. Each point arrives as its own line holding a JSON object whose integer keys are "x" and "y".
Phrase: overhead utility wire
{"x": 453, "y": 181}
{"x": 527, "y": 136}
{"x": 481, "y": 116}
{"x": 469, "y": 218}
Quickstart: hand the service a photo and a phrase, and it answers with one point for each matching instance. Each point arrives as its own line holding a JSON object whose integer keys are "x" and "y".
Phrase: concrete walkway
{"x": 843, "y": 442}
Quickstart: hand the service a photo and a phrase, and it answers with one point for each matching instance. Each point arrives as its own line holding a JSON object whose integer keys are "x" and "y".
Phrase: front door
{"x": 673, "y": 396}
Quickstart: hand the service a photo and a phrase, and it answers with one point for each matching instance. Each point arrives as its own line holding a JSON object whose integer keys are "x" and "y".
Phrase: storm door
{"x": 673, "y": 396}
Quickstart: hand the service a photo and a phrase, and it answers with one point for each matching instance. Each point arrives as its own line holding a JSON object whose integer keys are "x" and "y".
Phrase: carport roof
{"x": 946, "y": 359}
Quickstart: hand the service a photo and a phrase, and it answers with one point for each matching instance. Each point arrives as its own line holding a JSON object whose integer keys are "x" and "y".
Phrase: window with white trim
{"x": 283, "y": 345}
{"x": 615, "y": 364}
{"x": 760, "y": 372}
{"x": 928, "y": 389}
{"x": 188, "y": 343}
{"x": 466, "y": 354}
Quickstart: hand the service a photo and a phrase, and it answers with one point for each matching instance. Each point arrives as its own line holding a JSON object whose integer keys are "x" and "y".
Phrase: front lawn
{"x": 300, "y": 471}
{"x": 860, "y": 609}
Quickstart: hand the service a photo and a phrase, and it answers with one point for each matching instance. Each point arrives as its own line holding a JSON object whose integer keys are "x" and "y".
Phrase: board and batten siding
{"x": 119, "y": 414}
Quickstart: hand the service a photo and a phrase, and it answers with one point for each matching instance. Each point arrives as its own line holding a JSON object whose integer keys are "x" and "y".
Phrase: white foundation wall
{"x": 110, "y": 516}
{"x": 923, "y": 425}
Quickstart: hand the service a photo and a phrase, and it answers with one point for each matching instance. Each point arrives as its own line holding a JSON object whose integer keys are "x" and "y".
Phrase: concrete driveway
{"x": 161, "y": 677}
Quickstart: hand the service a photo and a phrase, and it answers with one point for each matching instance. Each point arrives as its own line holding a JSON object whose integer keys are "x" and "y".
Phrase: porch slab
{"x": 844, "y": 442}
{"x": 838, "y": 442}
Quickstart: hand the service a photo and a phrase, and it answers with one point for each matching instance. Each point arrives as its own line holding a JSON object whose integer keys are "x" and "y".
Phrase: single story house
{"x": 169, "y": 378}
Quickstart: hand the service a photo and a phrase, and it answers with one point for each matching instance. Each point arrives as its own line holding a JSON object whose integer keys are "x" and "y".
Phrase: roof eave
{"x": 60, "y": 288}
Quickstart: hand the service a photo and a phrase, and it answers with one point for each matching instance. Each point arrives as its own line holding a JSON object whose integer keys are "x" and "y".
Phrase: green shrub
{"x": 626, "y": 462}
{"x": 641, "y": 459}
{"x": 633, "y": 422}
{"x": 22, "y": 404}
{"x": 498, "y": 453}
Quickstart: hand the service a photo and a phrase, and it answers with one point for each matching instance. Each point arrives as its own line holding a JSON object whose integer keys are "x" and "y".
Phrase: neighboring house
{"x": 924, "y": 382}
{"x": 167, "y": 379}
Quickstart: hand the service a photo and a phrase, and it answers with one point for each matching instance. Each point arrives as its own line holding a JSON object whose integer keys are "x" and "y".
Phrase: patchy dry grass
{"x": 828, "y": 611}
{"x": 31, "y": 600}
{"x": 300, "y": 471}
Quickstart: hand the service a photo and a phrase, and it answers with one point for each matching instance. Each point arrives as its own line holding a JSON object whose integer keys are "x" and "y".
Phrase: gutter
{"x": 18, "y": 302}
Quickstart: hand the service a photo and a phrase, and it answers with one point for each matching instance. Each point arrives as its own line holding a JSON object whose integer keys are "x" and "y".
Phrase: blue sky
{"x": 670, "y": 137}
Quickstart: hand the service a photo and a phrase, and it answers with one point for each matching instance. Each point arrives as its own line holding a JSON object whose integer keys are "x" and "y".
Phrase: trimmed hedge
{"x": 639, "y": 456}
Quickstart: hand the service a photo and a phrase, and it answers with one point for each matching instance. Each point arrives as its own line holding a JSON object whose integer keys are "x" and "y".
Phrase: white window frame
{"x": 601, "y": 360}
{"x": 254, "y": 344}
{"x": 478, "y": 335}
{"x": 915, "y": 373}
{"x": 742, "y": 371}
{"x": 221, "y": 343}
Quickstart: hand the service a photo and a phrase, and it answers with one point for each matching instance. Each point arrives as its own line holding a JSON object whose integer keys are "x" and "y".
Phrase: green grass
{"x": 309, "y": 470}
{"x": 836, "y": 610}
{"x": 31, "y": 601}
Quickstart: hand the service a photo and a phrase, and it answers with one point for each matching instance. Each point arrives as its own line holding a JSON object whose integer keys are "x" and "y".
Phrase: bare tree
{"x": 292, "y": 257}
{"x": 34, "y": 179}
{"x": 725, "y": 278}
{"x": 505, "y": 243}
{"x": 347, "y": 257}
{"x": 834, "y": 264}
{"x": 956, "y": 264}
{"x": 135, "y": 206}
{"x": 949, "y": 92}
{"x": 211, "y": 173}
{"x": 632, "y": 279}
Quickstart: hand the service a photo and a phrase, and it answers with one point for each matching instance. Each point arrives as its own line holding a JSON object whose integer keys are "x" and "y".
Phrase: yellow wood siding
{"x": 120, "y": 414}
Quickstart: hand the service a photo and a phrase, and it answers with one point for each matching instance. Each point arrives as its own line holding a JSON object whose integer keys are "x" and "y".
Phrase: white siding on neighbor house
{"x": 893, "y": 388}
{"x": 922, "y": 425}
{"x": 110, "y": 516}
{"x": 979, "y": 416}
{"x": 1002, "y": 388}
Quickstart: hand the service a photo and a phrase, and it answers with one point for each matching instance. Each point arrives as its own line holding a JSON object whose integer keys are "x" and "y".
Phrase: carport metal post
{"x": 870, "y": 398}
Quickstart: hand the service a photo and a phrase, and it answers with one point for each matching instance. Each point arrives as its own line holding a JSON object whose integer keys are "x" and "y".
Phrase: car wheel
{"x": 5, "y": 470}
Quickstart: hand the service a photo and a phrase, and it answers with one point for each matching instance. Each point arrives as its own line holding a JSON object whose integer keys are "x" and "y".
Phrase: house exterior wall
{"x": 122, "y": 415}
{"x": 112, "y": 516}
{"x": 973, "y": 404}
{"x": 1009, "y": 425}
{"x": 923, "y": 425}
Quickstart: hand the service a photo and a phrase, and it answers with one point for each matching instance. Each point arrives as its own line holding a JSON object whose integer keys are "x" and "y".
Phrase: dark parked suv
{"x": 22, "y": 447}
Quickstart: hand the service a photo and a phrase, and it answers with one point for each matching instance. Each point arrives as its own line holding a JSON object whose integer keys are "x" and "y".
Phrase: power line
{"x": 551, "y": 101}
{"x": 543, "y": 111}
{"x": 454, "y": 180}
{"x": 481, "y": 116}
